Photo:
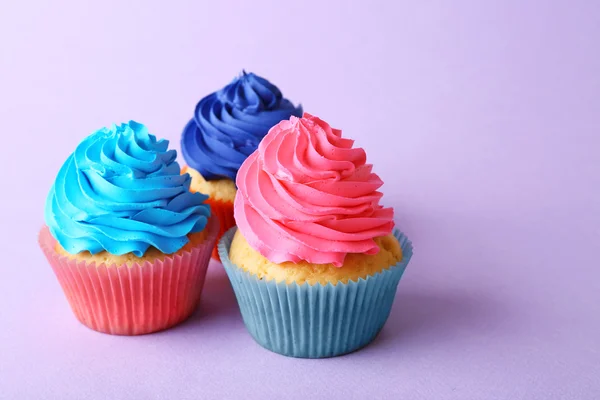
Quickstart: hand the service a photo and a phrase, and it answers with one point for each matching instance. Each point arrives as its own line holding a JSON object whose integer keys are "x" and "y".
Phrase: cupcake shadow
{"x": 419, "y": 317}
{"x": 218, "y": 300}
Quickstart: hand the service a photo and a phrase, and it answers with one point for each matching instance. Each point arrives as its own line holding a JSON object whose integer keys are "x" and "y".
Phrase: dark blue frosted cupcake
{"x": 226, "y": 128}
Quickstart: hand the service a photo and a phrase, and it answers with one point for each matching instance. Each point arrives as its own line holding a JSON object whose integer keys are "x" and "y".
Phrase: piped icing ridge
{"x": 121, "y": 191}
{"x": 306, "y": 194}
{"x": 228, "y": 125}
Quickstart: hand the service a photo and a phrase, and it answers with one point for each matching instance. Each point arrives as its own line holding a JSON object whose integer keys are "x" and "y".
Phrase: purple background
{"x": 482, "y": 119}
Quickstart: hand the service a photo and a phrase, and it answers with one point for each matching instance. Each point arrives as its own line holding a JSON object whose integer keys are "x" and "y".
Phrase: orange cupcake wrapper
{"x": 137, "y": 299}
{"x": 224, "y": 211}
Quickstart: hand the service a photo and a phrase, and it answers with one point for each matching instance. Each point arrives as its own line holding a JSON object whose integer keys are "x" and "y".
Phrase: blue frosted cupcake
{"x": 226, "y": 128}
{"x": 127, "y": 240}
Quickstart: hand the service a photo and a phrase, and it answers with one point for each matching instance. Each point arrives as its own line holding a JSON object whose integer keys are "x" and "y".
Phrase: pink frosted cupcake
{"x": 127, "y": 240}
{"x": 315, "y": 259}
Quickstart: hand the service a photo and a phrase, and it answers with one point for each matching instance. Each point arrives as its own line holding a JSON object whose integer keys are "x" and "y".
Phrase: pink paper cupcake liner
{"x": 136, "y": 299}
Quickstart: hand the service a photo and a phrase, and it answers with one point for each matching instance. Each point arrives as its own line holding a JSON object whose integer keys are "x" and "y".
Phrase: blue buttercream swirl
{"x": 122, "y": 191}
{"x": 229, "y": 124}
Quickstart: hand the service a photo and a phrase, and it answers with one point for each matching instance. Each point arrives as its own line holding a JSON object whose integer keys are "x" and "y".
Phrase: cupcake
{"x": 226, "y": 128}
{"x": 315, "y": 260}
{"x": 127, "y": 240}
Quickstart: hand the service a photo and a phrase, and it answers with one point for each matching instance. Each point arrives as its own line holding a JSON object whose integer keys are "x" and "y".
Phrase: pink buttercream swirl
{"x": 306, "y": 194}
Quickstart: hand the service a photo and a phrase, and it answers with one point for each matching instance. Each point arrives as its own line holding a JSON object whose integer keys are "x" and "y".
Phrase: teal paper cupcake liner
{"x": 314, "y": 321}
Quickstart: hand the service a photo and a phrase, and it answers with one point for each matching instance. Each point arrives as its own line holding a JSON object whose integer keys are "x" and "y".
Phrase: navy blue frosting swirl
{"x": 122, "y": 191}
{"x": 229, "y": 124}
